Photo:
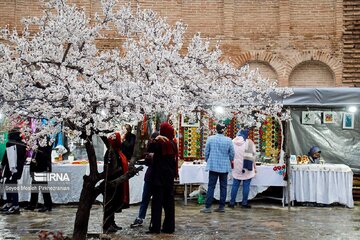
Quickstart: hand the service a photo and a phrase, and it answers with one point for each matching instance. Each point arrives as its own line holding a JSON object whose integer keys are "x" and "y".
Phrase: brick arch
{"x": 312, "y": 73}
{"x": 277, "y": 64}
{"x": 317, "y": 56}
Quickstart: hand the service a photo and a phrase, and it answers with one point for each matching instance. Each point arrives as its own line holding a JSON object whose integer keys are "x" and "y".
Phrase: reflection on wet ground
{"x": 265, "y": 220}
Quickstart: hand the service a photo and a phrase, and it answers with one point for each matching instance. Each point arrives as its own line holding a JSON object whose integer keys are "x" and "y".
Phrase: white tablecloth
{"x": 190, "y": 173}
{"x": 326, "y": 184}
{"x": 76, "y": 173}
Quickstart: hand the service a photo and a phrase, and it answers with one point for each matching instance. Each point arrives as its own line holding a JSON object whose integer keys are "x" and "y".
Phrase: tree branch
{"x": 66, "y": 52}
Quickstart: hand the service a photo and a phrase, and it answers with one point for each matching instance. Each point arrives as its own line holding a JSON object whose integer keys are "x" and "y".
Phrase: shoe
{"x": 14, "y": 210}
{"x": 245, "y": 206}
{"x": 137, "y": 223}
{"x": 116, "y": 226}
{"x": 111, "y": 229}
{"x": 44, "y": 209}
{"x": 30, "y": 208}
{"x": 5, "y": 209}
{"x": 205, "y": 210}
{"x": 152, "y": 232}
{"x": 231, "y": 205}
{"x": 167, "y": 231}
{"x": 220, "y": 209}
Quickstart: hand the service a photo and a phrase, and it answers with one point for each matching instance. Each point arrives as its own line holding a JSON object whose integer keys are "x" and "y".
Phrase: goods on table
{"x": 80, "y": 162}
{"x": 302, "y": 159}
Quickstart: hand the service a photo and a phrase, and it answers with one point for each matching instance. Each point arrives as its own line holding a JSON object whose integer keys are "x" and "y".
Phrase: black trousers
{"x": 35, "y": 196}
{"x": 12, "y": 197}
{"x": 112, "y": 205}
{"x": 163, "y": 197}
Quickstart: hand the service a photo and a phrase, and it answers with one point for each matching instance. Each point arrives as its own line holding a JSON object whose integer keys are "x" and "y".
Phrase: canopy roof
{"x": 338, "y": 96}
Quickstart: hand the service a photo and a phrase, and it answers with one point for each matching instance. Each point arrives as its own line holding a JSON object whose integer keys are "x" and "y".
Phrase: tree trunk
{"x": 88, "y": 195}
{"x": 89, "y": 192}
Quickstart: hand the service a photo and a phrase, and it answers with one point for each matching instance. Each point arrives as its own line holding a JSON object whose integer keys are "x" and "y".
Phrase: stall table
{"x": 76, "y": 173}
{"x": 195, "y": 173}
{"x": 322, "y": 183}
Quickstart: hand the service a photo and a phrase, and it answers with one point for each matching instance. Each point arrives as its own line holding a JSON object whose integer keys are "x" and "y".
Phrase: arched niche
{"x": 312, "y": 74}
{"x": 264, "y": 68}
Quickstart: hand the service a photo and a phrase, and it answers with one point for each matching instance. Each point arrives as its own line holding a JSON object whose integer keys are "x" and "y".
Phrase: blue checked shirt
{"x": 219, "y": 151}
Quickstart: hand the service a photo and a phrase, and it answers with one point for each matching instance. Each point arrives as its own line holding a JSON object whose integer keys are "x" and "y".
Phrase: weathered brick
{"x": 299, "y": 43}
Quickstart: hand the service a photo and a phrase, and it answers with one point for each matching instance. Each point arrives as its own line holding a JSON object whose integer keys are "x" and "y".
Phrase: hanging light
{"x": 219, "y": 110}
{"x": 352, "y": 109}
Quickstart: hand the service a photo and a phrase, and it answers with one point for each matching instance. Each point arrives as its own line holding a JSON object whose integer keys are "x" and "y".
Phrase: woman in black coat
{"x": 40, "y": 163}
{"x": 164, "y": 171}
{"x": 13, "y": 174}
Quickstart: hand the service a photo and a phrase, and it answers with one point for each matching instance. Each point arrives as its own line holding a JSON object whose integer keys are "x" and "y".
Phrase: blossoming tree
{"x": 58, "y": 73}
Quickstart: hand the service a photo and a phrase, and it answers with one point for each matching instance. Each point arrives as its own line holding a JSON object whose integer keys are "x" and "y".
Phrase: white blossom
{"x": 59, "y": 74}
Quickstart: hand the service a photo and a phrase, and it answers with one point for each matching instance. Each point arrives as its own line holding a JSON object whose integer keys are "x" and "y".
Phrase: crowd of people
{"x": 161, "y": 159}
{"x": 238, "y": 157}
{"x": 223, "y": 156}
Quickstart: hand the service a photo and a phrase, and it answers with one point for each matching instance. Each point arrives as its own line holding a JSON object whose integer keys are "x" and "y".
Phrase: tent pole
{"x": 287, "y": 159}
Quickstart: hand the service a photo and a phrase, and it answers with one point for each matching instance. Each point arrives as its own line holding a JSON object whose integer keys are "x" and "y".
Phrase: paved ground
{"x": 266, "y": 220}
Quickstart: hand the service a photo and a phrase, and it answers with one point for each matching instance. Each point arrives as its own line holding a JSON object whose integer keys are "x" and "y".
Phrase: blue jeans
{"x": 235, "y": 188}
{"x": 146, "y": 196}
{"x": 213, "y": 176}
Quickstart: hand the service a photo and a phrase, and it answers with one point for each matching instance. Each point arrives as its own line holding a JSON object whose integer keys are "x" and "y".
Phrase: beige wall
{"x": 297, "y": 42}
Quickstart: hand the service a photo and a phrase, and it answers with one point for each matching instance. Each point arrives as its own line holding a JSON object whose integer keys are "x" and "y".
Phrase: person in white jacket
{"x": 244, "y": 167}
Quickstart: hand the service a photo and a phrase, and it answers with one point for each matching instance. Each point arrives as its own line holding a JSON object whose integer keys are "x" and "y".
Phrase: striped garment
{"x": 219, "y": 151}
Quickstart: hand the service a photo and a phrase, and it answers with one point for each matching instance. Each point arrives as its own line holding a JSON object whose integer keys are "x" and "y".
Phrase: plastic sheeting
{"x": 322, "y": 97}
{"x": 337, "y": 145}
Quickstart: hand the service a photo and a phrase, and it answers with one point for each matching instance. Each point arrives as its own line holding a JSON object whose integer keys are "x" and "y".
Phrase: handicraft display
{"x": 267, "y": 138}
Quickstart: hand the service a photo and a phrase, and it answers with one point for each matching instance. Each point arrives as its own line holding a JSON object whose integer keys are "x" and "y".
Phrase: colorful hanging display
{"x": 270, "y": 138}
{"x": 267, "y": 138}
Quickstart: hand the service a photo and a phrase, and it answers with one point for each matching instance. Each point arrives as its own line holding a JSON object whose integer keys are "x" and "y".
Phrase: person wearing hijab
{"x": 41, "y": 163}
{"x": 244, "y": 167}
{"x": 314, "y": 155}
{"x": 116, "y": 196}
{"x": 147, "y": 192}
{"x": 164, "y": 171}
{"x": 128, "y": 142}
{"x": 13, "y": 165}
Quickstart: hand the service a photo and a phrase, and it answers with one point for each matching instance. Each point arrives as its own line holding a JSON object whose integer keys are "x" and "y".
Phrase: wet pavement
{"x": 265, "y": 220}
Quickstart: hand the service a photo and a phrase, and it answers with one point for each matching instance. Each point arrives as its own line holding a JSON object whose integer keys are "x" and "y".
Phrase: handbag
{"x": 12, "y": 158}
{"x": 248, "y": 162}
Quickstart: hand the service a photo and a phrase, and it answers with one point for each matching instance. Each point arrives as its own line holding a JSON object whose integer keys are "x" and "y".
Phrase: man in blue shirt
{"x": 219, "y": 152}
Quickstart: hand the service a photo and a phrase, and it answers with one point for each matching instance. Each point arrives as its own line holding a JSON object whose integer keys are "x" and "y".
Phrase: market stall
{"x": 326, "y": 118}
{"x": 322, "y": 183}
{"x": 266, "y": 176}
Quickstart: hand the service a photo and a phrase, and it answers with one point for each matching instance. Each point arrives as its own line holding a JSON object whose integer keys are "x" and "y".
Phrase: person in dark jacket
{"x": 164, "y": 171}
{"x": 128, "y": 142}
{"x": 13, "y": 165}
{"x": 41, "y": 163}
{"x": 147, "y": 192}
{"x": 116, "y": 196}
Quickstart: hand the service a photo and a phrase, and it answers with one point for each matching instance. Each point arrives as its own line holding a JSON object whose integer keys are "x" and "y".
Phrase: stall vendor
{"x": 314, "y": 155}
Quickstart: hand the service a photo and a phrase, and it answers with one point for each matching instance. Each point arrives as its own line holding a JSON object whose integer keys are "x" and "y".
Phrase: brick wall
{"x": 297, "y": 42}
{"x": 351, "y": 39}
{"x": 311, "y": 74}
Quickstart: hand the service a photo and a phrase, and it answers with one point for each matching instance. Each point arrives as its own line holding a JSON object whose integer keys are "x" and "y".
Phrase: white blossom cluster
{"x": 59, "y": 74}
